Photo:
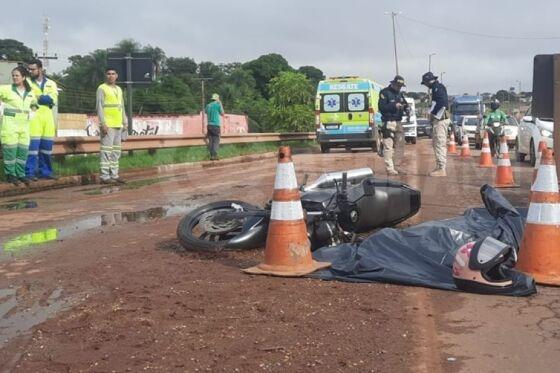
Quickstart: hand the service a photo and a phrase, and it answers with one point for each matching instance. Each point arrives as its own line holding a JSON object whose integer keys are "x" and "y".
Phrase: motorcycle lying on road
{"x": 495, "y": 131}
{"x": 338, "y": 206}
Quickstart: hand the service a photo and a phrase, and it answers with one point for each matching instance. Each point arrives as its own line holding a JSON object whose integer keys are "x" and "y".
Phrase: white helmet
{"x": 485, "y": 266}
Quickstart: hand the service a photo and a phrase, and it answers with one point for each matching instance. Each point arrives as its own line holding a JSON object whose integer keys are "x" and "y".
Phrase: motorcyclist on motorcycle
{"x": 495, "y": 115}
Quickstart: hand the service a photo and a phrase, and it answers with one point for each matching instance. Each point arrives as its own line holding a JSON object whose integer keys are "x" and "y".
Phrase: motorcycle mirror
{"x": 305, "y": 178}
{"x": 369, "y": 187}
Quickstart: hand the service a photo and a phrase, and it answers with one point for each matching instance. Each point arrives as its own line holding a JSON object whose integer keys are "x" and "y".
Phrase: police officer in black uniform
{"x": 392, "y": 107}
{"x": 439, "y": 119}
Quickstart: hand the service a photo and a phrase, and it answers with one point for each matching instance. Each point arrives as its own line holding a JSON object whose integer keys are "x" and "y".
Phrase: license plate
{"x": 331, "y": 126}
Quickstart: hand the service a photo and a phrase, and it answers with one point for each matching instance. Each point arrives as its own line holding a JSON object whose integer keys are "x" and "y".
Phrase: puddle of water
{"x": 19, "y": 205}
{"x": 34, "y": 239}
{"x": 15, "y": 320}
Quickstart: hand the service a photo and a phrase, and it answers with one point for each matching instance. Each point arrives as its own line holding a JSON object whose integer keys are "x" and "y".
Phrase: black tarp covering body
{"x": 423, "y": 255}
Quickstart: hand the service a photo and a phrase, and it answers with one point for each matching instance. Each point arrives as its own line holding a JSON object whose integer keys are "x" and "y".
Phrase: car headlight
{"x": 546, "y": 133}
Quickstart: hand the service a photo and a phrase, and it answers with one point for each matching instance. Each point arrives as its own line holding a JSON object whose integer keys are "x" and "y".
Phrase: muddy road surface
{"x": 93, "y": 279}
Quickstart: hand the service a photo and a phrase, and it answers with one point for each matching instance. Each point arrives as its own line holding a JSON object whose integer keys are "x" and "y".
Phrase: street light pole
{"x": 430, "y": 61}
{"x": 393, "y": 15}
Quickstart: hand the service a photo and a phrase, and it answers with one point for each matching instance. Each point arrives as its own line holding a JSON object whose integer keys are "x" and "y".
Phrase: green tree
{"x": 312, "y": 73}
{"x": 127, "y": 46}
{"x": 80, "y": 80}
{"x": 265, "y": 68}
{"x": 180, "y": 66}
{"x": 13, "y": 50}
{"x": 291, "y": 103}
{"x": 169, "y": 95}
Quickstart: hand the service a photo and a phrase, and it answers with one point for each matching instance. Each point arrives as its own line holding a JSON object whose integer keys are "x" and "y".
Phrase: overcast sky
{"x": 350, "y": 37}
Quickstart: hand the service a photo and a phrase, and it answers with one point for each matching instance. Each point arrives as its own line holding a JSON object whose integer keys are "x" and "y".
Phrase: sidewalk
{"x": 7, "y": 190}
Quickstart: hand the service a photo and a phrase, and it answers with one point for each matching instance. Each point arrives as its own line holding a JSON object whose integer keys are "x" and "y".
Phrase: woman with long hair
{"x": 19, "y": 103}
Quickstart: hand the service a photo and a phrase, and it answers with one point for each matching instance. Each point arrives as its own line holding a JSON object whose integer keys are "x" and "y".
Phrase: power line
{"x": 481, "y": 34}
{"x": 401, "y": 35}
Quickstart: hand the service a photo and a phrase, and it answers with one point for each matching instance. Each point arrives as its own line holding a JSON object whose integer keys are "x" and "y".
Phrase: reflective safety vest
{"x": 112, "y": 105}
{"x": 47, "y": 87}
{"x": 16, "y": 105}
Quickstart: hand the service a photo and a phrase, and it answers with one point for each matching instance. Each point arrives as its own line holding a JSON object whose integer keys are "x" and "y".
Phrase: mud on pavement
{"x": 124, "y": 296}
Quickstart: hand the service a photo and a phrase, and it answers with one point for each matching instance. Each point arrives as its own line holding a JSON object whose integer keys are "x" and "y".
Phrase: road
{"x": 116, "y": 292}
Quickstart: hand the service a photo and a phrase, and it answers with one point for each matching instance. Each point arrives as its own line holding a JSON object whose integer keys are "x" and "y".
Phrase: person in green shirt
{"x": 495, "y": 115}
{"x": 214, "y": 112}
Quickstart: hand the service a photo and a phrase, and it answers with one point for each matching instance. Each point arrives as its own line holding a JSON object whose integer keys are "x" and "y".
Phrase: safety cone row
{"x": 288, "y": 250}
{"x": 452, "y": 147}
{"x": 485, "y": 154}
{"x": 542, "y": 146}
{"x": 504, "y": 172}
{"x": 465, "y": 148}
{"x": 539, "y": 253}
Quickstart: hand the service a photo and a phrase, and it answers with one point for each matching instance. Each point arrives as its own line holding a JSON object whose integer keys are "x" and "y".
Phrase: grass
{"x": 89, "y": 164}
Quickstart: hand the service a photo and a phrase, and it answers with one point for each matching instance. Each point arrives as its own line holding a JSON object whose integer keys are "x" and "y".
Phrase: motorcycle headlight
{"x": 546, "y": 133}
{"x": 354, "y": 216}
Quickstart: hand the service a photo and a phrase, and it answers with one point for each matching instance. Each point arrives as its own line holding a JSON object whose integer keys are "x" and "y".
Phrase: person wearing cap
{"x": 214, "y": 112}
{"x": 392, "y": 106}
{"x": 439, "y": 119}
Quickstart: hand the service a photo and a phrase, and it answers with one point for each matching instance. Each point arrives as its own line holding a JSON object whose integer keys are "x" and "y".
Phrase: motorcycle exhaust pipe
{"x": 327, "y": 180}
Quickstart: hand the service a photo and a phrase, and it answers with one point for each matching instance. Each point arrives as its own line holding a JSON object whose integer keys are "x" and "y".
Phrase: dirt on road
{"x": 114, "y": 290}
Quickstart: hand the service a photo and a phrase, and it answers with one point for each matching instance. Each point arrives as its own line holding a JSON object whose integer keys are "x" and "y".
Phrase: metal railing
{"x": 90, "y": 144}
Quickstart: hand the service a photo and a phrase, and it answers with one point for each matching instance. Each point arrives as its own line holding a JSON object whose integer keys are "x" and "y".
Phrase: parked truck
{"x": 472, "y": 106}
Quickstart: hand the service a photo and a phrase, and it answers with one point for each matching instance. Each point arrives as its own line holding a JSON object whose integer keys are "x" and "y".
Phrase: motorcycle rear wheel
{"x": 200, "y": 231}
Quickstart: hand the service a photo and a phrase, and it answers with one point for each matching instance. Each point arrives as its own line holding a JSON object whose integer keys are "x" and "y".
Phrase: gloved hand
{"x": 46, "y": 100}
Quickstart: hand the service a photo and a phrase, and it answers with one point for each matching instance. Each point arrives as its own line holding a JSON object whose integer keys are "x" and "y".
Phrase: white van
{"x": 409, "y": 124}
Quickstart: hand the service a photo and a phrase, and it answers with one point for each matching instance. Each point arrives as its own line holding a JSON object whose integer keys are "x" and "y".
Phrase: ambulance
{"x": 346, "y": 113}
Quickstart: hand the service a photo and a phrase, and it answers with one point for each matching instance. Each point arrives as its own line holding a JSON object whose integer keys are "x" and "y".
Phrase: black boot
{"x": 12, "y": 179}
{"x": 25, "y": 180}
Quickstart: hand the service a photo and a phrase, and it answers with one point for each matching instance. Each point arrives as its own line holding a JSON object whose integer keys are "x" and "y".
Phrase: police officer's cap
{"x": 428, "y": 77}
{"x": 398, "y": 80}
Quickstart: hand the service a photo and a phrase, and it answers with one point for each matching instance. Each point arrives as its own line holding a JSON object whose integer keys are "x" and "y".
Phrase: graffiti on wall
{"x": 156, "y": 125}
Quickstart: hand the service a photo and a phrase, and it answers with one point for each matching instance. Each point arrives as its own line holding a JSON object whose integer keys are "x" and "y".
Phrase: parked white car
{"x": 511, "y": 130}
{"x": 531, "y": 131}
{"x": 469, "y": 126}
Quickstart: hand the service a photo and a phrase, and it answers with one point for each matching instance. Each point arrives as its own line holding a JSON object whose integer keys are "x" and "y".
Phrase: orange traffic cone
{"x": 485, "y": 154}
{"x": 504, "y": 173}
{"x": 288, "y": 250}
{"x": 452, "y": 147}
{"x": 465, "y": 149}
{"x": 539, "y": 254}
{"x": 542, "y": 146}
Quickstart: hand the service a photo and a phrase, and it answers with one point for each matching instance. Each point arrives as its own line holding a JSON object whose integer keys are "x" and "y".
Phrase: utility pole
{"x": 441, "y": 75}
{"x": 430, "y": 61}
{"x": 393, "y": 15}
{"x": 128, "y": 82}
{"x": 45, "y": 57}
{"x": 203, "y": 99}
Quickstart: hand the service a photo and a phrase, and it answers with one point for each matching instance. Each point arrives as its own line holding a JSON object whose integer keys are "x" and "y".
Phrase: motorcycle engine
{"x": 326, "y": 234}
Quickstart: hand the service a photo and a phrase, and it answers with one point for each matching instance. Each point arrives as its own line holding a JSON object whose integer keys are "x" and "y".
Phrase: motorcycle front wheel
{"x": 212, "y": 227}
